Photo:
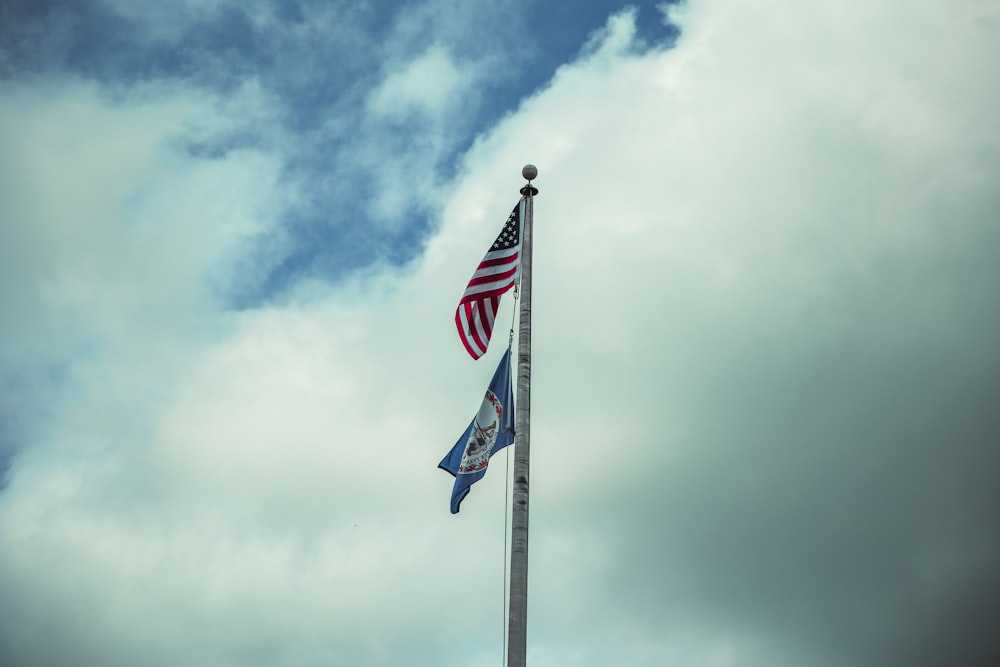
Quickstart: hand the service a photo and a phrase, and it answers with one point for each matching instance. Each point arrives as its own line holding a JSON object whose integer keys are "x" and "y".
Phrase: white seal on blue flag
{"x": 485, "y": 428}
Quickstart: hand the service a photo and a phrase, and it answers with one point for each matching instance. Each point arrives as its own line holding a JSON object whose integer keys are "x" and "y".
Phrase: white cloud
{"x": 764, "y": 331}
{"x": 104, "y": 204}
{"x": 115, "y": 239}
{"x": 431, "y": 84}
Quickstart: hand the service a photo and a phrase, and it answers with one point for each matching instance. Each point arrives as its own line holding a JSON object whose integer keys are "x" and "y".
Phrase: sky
{"x": 766, "y": 314}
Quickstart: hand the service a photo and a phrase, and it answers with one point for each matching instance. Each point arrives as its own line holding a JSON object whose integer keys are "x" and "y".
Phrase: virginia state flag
{"x": 491, "y": 430}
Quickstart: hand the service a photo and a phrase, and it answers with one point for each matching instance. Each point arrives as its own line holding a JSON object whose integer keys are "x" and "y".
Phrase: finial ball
{"x": 530, "y": 172}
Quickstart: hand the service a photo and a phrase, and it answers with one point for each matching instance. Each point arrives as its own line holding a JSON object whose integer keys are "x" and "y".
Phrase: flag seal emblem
{"x": 485, "y": 428}
{"x": 489, "y": 431}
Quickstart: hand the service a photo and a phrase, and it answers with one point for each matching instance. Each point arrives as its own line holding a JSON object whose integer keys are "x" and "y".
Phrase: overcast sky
{"x": 766, "y": 331}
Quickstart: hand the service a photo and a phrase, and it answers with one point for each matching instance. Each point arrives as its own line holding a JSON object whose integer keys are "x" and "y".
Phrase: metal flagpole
{"x": 518, "y": 614}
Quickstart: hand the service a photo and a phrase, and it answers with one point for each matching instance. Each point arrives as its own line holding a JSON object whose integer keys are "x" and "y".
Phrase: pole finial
{"x": 530, "y": 172}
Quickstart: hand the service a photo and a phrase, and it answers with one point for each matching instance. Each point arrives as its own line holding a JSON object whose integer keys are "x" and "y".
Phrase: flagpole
{"x": 518, "y": 613}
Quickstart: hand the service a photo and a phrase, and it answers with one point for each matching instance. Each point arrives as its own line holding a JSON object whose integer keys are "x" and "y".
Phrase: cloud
{"x": 430, "y": 85}
{"x": 368, "y": 184}
{"x": 113, "y": 233}
{"x": 770, "y": 292}
{"x": 764, "y": 324}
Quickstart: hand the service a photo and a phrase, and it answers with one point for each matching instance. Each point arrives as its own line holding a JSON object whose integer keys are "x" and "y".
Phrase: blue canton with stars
{"x": 510, "y": 235}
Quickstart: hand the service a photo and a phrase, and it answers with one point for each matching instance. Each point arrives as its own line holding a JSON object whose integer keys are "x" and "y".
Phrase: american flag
{"x": 495, "y": 275}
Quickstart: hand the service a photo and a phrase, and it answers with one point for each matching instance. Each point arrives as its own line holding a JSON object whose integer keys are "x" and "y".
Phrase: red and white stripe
{"x": 478, "y": 306}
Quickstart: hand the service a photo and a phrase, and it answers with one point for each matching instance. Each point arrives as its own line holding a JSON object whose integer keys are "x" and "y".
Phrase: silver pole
{"x": 518, "y": 614}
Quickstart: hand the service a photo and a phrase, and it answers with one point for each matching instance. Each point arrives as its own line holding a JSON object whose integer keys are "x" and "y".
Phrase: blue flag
{"x": 491, "y": 430}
